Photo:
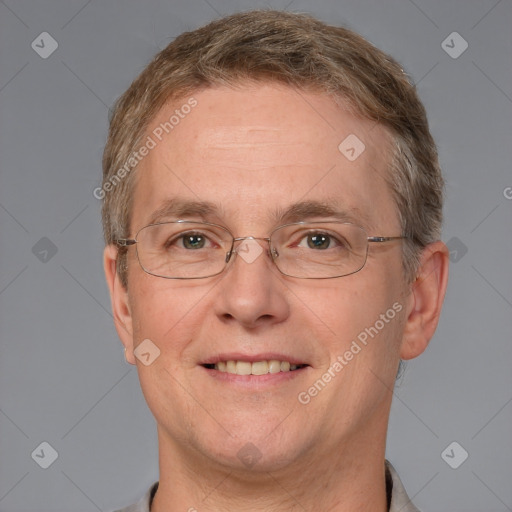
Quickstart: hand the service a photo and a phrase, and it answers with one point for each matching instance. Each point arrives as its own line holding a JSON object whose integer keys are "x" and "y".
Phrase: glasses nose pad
{"x": 230, "y": 253}
{"x": 274, "y": 253}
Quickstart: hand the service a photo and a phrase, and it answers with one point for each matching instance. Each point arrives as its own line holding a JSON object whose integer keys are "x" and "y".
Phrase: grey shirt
{"x": 399, "y": 499}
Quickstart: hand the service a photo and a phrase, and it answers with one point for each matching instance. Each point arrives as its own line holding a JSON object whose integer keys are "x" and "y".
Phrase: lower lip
{"x": 251, "y": 381}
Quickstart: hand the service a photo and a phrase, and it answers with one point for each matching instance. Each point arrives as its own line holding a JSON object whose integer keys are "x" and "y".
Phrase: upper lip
{"x": 265, "y": 356}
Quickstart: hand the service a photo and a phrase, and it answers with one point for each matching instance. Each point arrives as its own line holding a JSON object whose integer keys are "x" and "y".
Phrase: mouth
{"x": 260, "y": 367}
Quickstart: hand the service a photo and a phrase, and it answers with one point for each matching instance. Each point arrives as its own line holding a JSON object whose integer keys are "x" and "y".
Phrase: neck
{"x": 347, "y": 478}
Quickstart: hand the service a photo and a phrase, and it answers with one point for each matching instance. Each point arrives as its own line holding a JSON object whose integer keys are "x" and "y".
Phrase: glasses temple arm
{"x": 125, "y": 242}
{"x": 385, "y": 238}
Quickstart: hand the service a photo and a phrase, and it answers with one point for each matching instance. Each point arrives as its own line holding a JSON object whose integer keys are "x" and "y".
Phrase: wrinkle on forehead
{"x": 212, "y": 155}
{"x": 236, "y": 136}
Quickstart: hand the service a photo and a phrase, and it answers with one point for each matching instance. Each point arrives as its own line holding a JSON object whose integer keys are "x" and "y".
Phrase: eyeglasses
{"x": 306, "y": 250}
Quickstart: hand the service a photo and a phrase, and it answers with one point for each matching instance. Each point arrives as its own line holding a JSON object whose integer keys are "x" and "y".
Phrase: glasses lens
{"x": 319, "y": 250}
{"x": 187, "y": 250}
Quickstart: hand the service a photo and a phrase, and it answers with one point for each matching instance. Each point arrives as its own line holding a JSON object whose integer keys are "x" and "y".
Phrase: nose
{"x": 252, "y": 292}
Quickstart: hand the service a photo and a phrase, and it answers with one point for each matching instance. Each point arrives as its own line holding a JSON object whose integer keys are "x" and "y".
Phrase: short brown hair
{"x": 301, "y": 52}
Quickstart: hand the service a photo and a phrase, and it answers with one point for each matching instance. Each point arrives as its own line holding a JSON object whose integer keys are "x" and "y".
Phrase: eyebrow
{"x": 176, "y": 208}
{"x": 327, "y": 208}
{"x": 179, "y": 208}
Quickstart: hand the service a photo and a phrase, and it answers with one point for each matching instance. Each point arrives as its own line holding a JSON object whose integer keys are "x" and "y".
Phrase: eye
{"x": 189, "y": 241}
{"x": 319, "y": 241}
{"x": 193, "y": 241}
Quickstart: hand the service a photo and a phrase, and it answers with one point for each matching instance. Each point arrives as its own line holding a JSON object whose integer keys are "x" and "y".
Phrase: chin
{"x": 249, "y": 451}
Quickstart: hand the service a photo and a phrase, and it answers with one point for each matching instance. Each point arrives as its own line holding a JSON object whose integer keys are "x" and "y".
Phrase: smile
{"x": 255, "y": 367}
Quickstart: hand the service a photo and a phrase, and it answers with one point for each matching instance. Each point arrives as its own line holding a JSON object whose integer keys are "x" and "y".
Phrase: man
{"x": 272, "y": 213}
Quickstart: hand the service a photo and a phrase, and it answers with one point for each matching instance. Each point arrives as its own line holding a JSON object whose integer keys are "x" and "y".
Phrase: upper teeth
{"x": 255, "y": 368}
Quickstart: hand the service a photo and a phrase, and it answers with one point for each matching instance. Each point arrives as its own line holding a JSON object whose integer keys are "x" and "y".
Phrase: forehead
{"x": 262, "y": 148}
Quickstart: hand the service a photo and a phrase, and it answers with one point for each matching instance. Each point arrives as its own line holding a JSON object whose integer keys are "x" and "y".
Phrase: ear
{"x": 425, "y": 300}
{"x": 119, "y": 302}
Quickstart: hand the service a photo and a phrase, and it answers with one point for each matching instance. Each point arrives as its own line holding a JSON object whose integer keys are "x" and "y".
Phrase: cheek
{"x": 173, "y": 315}
{"x": 361, "y": 322}
{"x": 163, "y": 312}
{"x": 169, "y": 317}
{"x": 347, "y": 306}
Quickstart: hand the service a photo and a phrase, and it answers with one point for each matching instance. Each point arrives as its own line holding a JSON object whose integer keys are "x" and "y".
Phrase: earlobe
{"x": 119, "y": 302}
{"x": 425, "y": 300}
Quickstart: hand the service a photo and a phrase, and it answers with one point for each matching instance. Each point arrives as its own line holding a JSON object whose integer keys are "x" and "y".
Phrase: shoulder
{"x": 144, "y": 504}
{"x": 399, "y": 499}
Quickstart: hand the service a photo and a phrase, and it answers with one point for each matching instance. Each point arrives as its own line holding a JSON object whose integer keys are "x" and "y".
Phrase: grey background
{"x": 63, "y": 378}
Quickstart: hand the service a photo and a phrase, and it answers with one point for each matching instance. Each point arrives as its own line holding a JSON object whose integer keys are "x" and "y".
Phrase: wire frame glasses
{"x": 305, "y": 250}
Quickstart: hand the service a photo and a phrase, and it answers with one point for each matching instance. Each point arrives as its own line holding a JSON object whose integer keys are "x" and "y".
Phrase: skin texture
{"x": 253, "y": 150}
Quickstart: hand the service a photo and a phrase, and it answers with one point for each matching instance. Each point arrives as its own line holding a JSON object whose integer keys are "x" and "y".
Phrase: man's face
{"x": 255, "y": 152}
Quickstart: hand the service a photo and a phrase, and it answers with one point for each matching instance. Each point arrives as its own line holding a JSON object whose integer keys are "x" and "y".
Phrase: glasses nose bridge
{"x": 240, "y": 238}
{"x": 236, "y": 240}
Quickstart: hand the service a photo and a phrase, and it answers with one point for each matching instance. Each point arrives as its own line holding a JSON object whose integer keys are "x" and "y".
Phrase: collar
{"x": 398, "y": 501}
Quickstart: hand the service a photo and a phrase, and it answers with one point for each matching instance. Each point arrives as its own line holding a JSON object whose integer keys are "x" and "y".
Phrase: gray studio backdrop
{"x": 76, "y": 434}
